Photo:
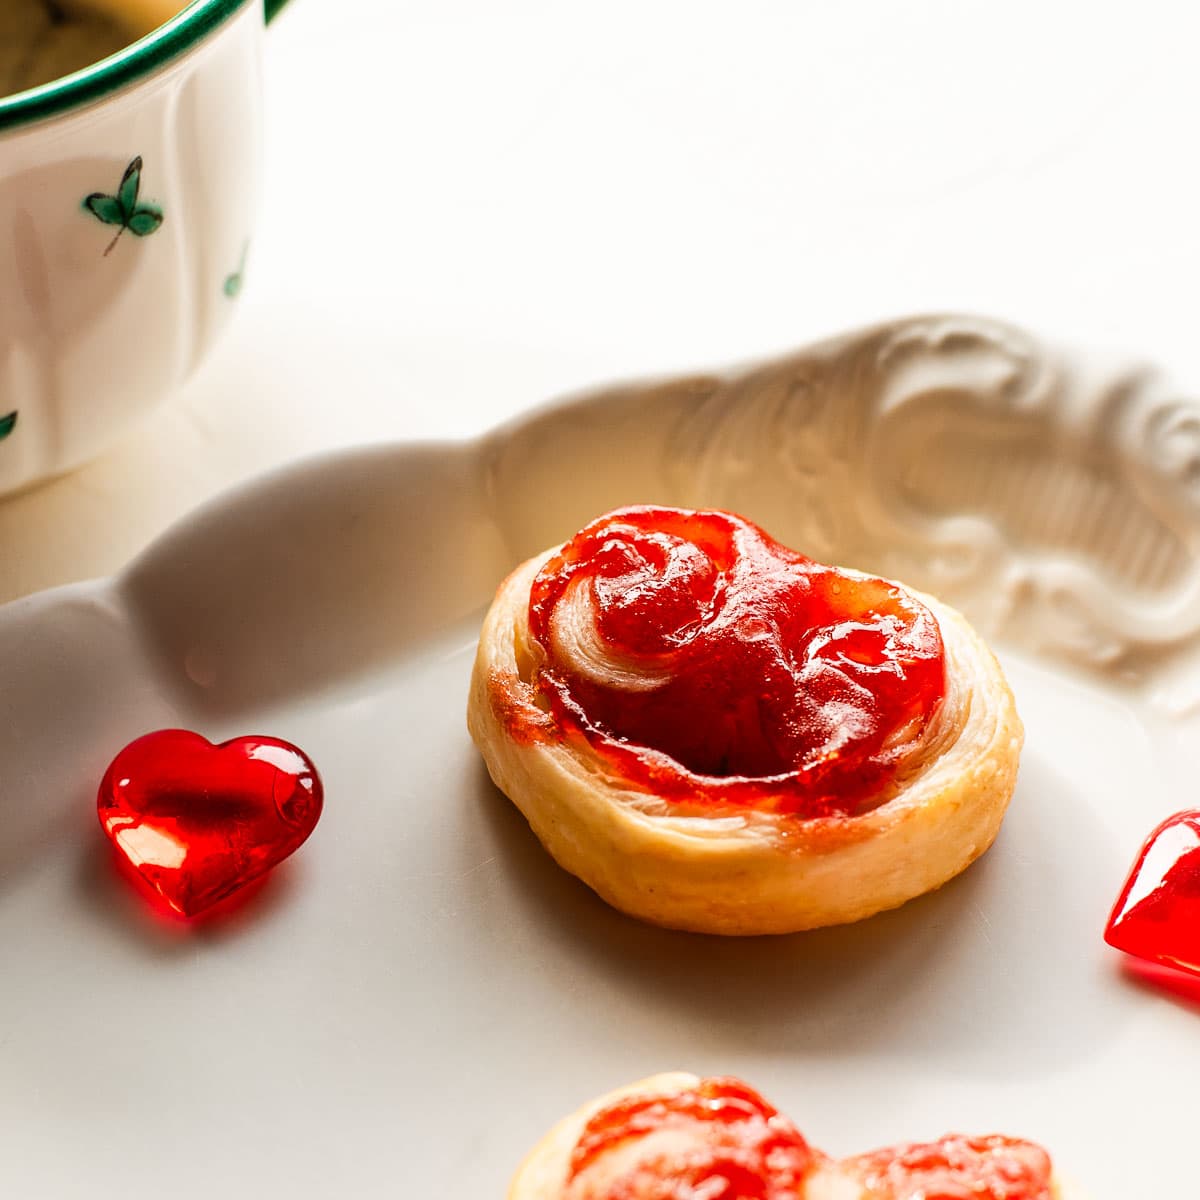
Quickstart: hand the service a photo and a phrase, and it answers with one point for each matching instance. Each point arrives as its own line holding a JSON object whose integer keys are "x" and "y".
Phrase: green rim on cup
{"x": 142, "y": 58}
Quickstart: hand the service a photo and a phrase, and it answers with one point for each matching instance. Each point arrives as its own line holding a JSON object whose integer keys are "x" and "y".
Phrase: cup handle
{"x": 271, "y": 9}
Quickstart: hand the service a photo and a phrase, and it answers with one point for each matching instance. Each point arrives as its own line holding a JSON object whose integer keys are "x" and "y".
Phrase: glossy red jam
{"x": 718, "y": 666}
{"x": 957, "y": 1168}
{"x": 720, "y": 1141}
{"x": 1157, "y": 916}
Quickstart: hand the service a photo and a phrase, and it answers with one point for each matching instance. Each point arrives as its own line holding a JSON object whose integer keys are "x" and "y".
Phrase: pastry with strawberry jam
{"x": 676, "y": 1136}
{"x": 719, "y": 734}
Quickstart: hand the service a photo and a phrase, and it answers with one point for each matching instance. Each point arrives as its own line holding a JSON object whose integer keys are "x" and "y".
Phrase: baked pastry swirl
{"x": 718, "y": 734}
{"x": 676, "y": 1135}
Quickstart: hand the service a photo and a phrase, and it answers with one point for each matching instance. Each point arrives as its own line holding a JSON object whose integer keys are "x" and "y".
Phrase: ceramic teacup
{"x": 127, "y": 201}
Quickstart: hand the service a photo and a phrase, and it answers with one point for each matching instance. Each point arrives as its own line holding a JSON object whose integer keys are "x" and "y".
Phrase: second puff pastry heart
{"x": 675, "y": 1135}
{"x": 718, "y": 734}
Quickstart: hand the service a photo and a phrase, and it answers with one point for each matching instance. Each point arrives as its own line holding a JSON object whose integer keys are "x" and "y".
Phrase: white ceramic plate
{"x": 421, "y": 991}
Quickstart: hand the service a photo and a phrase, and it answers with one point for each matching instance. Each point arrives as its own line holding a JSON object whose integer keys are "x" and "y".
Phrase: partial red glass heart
{"x": 196, "y": 822}
{"x": 1157, "y": 916}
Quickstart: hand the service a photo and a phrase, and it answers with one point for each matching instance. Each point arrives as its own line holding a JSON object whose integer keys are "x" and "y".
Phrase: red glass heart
{"x": 1157, "y": 916}
{"x": 196, "y": 822}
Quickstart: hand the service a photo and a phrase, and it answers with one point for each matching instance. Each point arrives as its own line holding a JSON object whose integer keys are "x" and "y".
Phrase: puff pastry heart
{"x": 676, "y": 1136}
{"x": 718, "y": 734}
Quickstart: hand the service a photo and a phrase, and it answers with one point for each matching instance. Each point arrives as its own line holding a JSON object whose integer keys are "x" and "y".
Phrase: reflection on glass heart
{"x": 1157, "y": 916}
{"x": 196, "y": 822}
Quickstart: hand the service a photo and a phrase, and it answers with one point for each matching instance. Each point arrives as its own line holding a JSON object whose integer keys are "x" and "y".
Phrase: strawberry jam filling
{"x": 957, "y": 1168}
{"x": 720, "y": 1141}
{"x": 710, "y": 664}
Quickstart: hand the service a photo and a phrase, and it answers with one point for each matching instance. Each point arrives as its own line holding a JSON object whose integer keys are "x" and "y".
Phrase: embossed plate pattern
{"x": 421, "y": 991}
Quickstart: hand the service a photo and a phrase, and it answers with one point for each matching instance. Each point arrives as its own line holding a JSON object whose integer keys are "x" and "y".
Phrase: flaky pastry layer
{"x": 746, "y": 871}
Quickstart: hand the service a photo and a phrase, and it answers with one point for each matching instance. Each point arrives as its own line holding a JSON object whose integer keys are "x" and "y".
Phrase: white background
{"x": 470, "y": 208}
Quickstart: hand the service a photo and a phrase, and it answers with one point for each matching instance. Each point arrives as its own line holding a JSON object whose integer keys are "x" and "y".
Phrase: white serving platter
{"x": 421, "y": 992}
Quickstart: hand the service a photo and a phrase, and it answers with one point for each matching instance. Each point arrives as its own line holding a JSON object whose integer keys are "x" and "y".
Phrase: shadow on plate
{"x": 315, "y": 574}
{"x": 925, "y": 981}
{"x": 118, "y": 904}
{"x": 1178, "y": 986}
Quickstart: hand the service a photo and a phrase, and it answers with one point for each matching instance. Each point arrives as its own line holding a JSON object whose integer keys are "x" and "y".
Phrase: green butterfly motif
{"x": 233, "y": 282}
{"x": 123, "y": 209}
{"x": 7, "y": 425}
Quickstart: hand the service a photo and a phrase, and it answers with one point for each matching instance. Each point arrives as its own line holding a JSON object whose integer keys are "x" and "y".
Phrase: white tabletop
{"x": 469, "y": 208}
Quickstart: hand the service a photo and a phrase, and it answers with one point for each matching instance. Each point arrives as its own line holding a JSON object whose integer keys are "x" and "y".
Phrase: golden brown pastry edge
{"x": 753, "y": 873}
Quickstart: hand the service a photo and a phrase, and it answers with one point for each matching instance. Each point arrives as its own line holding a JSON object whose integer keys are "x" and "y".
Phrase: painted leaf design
{"x": 7, "y": 425}
{"x": 131, "y": 182}
{"x": 233, "y": 281}
{"x": 145, "y": 220}
{"x": 107, "y": 208}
